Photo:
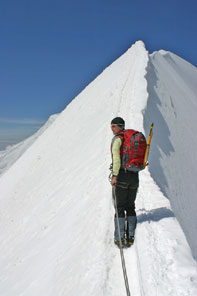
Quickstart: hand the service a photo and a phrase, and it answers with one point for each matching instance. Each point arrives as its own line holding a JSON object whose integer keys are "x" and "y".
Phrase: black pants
{"x": 126, "y": 191}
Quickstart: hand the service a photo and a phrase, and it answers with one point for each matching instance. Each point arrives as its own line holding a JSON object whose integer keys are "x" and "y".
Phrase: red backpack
{"x": 132, "y": 151}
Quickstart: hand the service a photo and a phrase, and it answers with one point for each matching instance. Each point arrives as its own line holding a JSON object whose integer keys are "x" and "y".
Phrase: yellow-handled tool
{"x": 148, "y": 147}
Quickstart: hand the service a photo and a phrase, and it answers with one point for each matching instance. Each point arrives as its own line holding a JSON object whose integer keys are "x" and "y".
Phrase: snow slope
{"x": 12, "y": 153}
{"x": 56, "y": 227}
{"x": 172, "y": 105}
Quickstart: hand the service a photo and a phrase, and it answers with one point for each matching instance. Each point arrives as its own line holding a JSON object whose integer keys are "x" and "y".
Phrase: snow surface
{"x": 12, "y": 153}
{"x": 172, "y": 105}
{"x": 56, "y": 226}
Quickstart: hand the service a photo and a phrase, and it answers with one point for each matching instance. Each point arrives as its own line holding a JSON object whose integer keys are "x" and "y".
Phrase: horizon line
{"x": 22, "y": 121}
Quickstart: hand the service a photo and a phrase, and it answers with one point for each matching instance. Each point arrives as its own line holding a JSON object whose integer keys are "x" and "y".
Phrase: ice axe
{"x": 148, "y": 146}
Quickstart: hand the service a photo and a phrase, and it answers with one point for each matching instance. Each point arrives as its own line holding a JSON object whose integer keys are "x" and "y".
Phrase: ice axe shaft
{"x": 148, "y": 146}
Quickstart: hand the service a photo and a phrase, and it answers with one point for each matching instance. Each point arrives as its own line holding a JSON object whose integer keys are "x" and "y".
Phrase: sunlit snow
{"x": 56, "y": 213}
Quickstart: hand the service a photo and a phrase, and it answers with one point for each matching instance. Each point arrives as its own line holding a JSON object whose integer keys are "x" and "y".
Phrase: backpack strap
{"x": 121, "y": 135}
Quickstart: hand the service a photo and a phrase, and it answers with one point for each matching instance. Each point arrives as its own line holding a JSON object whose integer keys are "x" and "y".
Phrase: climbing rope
{"x": 121, "y": 249}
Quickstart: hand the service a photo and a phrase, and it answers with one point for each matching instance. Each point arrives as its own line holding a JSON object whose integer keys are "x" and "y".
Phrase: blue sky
{"x": 50, "y": 50}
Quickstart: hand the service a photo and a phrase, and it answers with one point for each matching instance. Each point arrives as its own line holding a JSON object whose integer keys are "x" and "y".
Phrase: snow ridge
{"x": 56, "y": 225}
{"x": 172, "y": 105}
{"x": 11, "y": 154}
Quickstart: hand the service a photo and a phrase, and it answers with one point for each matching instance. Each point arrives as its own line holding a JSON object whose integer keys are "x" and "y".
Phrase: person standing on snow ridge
{"x": 125, "y": 184}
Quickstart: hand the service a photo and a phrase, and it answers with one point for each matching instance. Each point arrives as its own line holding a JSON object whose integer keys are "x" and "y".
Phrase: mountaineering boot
{"x": 121, "y": 221}
{"x": 130, "y": 241}
{"x": 131, "y": 224}
{"x": 117, "y": 242}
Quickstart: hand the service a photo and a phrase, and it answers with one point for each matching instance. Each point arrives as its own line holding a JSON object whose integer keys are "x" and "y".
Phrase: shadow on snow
{"x": 154, "y": 215}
